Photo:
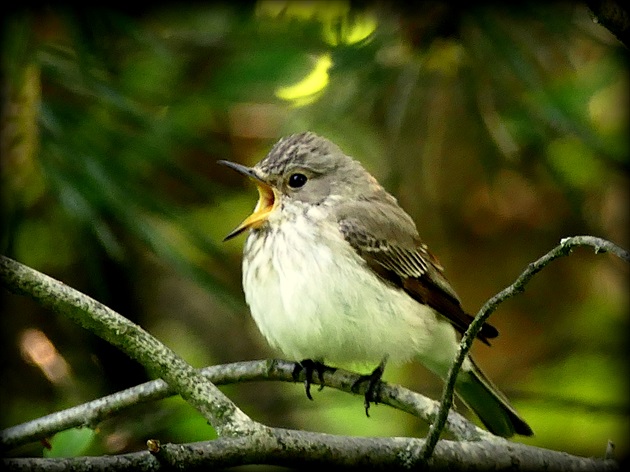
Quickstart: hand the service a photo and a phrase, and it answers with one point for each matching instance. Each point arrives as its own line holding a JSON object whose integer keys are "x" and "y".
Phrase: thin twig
{"x": 563, "y": 249}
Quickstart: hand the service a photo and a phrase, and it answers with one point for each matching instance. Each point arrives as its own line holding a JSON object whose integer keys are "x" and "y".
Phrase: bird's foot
{"x": 373, "y": 389}
{"x": 309, "y": 366}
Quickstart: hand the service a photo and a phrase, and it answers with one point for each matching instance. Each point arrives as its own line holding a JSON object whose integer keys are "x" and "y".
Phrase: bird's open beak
{"x": 267, "y": 200}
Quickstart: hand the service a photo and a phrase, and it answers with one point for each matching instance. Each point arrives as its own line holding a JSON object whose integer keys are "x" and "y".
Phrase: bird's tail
{"x": 490, "y": 405}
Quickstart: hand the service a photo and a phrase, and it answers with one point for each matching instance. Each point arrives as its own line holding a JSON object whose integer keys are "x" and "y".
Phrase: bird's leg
{"x": 372, "y": 392}
{"x": 309, "y": 366}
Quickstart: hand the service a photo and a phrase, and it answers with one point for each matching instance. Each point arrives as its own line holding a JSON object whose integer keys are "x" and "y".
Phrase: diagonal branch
{"x": 563, "y": 249}
{"x": 91, "y": 413}
{"x": 196, "y": 389}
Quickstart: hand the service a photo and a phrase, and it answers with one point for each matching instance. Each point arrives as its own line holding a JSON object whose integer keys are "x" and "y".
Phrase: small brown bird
{"x": 334, "y": 271}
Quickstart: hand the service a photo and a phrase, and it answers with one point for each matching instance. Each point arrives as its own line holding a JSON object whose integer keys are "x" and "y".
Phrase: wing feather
{"x": 408, "y": 264}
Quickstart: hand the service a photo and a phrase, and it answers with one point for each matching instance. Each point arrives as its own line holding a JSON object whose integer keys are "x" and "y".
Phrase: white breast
{"x": 313, "y": 297}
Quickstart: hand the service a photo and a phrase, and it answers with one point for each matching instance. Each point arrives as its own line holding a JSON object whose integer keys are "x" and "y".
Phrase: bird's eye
{"x": 297, "y": 180}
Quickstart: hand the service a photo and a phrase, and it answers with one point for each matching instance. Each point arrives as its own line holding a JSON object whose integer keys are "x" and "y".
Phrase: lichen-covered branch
{"x": 303, "y": 450}
{"x": 223, "y": 414}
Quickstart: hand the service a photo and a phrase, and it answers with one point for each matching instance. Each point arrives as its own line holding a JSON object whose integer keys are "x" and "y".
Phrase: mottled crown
{"x": 301, "y": 150}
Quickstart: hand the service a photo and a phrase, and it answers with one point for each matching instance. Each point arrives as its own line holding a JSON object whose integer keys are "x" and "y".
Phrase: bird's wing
{"x": 393, "y": 250}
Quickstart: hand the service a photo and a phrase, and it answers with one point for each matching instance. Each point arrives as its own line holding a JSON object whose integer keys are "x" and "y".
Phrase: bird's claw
{"x": 373, "y": 389}
{"x": 309, "y": 366}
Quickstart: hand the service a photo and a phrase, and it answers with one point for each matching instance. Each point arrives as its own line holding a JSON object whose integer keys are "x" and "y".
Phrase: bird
{"x": 334, "y": 271}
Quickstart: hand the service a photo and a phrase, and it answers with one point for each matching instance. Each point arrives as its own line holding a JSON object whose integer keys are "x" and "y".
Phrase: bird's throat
{"x": 267, "y": 202}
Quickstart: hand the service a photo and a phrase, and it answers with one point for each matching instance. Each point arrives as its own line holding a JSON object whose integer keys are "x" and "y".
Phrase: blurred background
{"x": 501, "y": 130}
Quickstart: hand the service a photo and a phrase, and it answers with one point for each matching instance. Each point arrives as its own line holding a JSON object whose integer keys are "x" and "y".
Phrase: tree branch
{"x": 301, "y": 449}
{"x": 563, "y": 249}
{"x": 220, "y": 411}
{"x": 91, "y": 413}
